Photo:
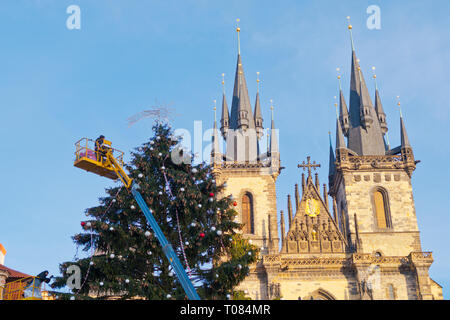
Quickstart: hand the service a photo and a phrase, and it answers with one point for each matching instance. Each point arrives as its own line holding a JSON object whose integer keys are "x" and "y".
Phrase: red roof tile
{"x": 13, "y": 273}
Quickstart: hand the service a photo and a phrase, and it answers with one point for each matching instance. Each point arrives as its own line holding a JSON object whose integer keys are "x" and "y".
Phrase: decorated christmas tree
{"x": 125, "y": 260}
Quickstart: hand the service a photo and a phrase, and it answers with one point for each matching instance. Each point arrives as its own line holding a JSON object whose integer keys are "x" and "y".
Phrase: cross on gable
{"x": 308, "y": 165}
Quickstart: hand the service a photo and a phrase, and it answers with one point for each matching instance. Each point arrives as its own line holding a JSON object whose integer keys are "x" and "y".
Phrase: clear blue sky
{"x": 58, "y": 85}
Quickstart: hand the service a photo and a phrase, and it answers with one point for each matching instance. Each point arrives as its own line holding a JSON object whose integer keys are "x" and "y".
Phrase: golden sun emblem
{"x": 312, "y": 207}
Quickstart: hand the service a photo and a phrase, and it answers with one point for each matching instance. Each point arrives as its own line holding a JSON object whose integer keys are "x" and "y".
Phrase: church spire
{"x": 289, "y": 205}
{"x": 274, "y": 151}
{"x": 406, "y": 149}
{"x": 224, "y": 122}
{"x": 282, "y": 230}
{"x": 297, "y": 197}
{"x": 379, "y": 107}
{"x": 365, "y": 136}
{"x": 238, "y": 30}
{"x": 340, "y": 140}
{"x": 332, "y": 167}
{"x": 216, "y": 156}
{"x": 241, "y": 111}
{"x": 403, "y": 134}
{"x": 273, "y": 136}
{"x": 365, "y": 103}
{"x": 258, "y": 114}
{"x": 343, "y": 111}
{"x": 242, "y": 140}
{"x": 351, "y": 34}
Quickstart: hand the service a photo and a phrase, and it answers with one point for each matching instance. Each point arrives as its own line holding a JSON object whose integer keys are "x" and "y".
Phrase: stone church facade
{"x": 368, "y": 246}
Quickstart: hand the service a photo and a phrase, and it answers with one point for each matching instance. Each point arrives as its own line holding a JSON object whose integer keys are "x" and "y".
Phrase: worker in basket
{"x": 100, "y": 149}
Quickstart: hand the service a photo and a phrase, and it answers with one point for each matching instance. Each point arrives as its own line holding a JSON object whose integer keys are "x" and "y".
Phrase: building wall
{"x": 262, "y": 187}
{"x": 408, "y": 277}
{"x": 356, "y": 195}
{"x": 305, "y": 289}
{"x": 3, "y": 276}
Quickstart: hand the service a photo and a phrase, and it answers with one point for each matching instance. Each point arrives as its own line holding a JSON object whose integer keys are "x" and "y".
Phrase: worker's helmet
{"x": 102, "y": 137}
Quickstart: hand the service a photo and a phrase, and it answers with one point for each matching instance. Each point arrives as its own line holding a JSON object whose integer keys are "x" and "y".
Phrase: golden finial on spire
{"x": 336, "y": 107}
{"x": 339, "y": 77}
{"x": 257, "y": 81}
{"x": 271, "y": 107}
{"x": 374, "y": 78}
{"x": 399, "y": 106}
{"x": 215, "y": 114}
{"x": 350, "y": 30}
{"x": 238, "y": 30}
{"x": 349, "y": 25}
{"x": 359, "y": 70}
{"x": 223, "y": 83}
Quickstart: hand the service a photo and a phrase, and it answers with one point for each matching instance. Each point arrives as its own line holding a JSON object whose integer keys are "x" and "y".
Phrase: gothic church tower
{"x": 372, "y": 191}
{"x": 248, "y": 173}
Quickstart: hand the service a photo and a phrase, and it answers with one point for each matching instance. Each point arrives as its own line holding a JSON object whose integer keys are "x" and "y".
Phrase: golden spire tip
{"x": 238, "y": 32}
{"x": 350, "y": 30}
{"x": 349, "y": 25}
{"x": 399, "y": 106}
{"x": 257, "y": 81}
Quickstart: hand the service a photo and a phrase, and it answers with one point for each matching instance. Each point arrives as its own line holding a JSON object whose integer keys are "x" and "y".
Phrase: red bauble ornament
{"x": 211, "y": 194}
{"x": 202, "y": 235}
{"x": 83, "y": 223}
{"x": 235, "y": 203}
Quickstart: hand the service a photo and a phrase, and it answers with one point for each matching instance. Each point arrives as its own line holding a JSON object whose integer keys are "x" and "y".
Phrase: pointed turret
{"x": 225, "y": 120}
{"x": 403, "y": 134}
{"x": 364, "y": 136}
{"x": 365, "y": 103}
{"x": 405, "y": 147}
{"x": 258, "y": 114}
{"x": 380, "y": 112}
{"x": 303, "y": 183}
{"x": 216, "y": 155}
{"x": 325, "y": 196}
{"x": 289, "y": 205}
{"x": 343, "y": 111}
{"x": 242, "y": 141}
{"x": 270, "y": 246}
{"x": 241, "y": 111}
{"x": 332, "y": 165}
{"x": 379, "y": 107}
{"x": 282, "y": 230}
{"x": 297, "y": 197}
{"x": 340, "y": 140}
{"x": 274, "y": 151}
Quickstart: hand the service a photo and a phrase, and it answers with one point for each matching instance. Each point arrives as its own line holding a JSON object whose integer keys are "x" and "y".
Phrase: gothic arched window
{"x": 247, "y": 213}
{"x": 381, "y": 203}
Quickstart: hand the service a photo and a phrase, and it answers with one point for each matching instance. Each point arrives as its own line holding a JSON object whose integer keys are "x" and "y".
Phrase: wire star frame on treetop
{"x": 159, "y": 112}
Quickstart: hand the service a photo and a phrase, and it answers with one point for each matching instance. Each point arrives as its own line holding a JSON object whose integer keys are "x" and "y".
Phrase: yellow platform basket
{"x": 22, "y": 289}
{"x": 92, "y": 159}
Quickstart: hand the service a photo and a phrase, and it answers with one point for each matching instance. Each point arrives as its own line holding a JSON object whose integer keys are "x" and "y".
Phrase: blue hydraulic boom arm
{"x": 167, "y": 248}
